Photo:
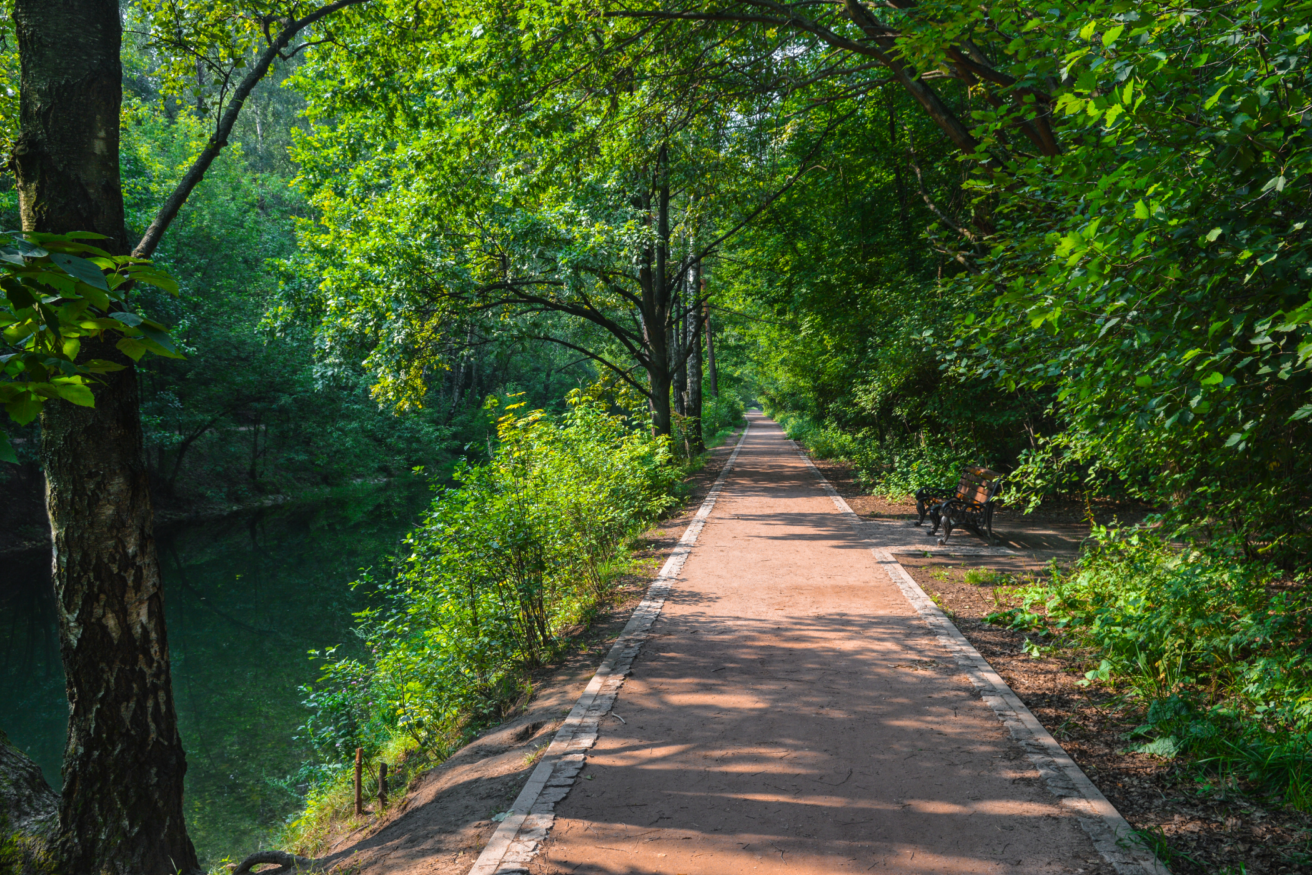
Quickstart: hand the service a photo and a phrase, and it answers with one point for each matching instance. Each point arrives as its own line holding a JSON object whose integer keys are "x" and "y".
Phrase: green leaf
{"x": 1143, "y": 381}
{"x": 160, "y": 337}
{"x": 1213, "y": 234}
{"x": 24, "y": 408}
{"x": 7, "y": 453}
{"x": 17, "y": 293}
{"x": 130, "y": 319}
{"x": 76, "y": 393}
{"x": 1212, "y": 379}
{"x": 1211, "y": 101}
{"x": 81, "y": 269}
{"x": 1167, "y": 747}
{"x": 1111, "y": 35}
{"x": 132, "y": 348}
{"x": 1276, "y": 182}
{"x": 156, "y": 278}
{"x": 102, "y": 366}
{"x": 29, "y": 249}
{"x": 1086, "y": 32}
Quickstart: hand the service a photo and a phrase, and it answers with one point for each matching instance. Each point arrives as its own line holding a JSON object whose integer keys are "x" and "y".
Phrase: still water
{"x": 246, "y": 597}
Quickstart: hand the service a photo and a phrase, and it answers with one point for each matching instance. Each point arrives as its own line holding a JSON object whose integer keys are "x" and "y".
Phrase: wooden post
{"x": 382, "y": 786}
{"x": 359, "y": 798}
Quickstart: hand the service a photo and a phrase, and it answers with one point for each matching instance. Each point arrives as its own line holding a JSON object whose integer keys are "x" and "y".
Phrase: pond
{"x": 246, "y": 597}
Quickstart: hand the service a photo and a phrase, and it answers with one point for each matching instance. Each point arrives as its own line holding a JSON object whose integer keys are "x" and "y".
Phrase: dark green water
{"x": 246, "y": 597}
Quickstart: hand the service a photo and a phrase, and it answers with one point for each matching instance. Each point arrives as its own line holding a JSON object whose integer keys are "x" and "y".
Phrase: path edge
{"x": 1111, "y": 834}
{"x": 516, "y": 840}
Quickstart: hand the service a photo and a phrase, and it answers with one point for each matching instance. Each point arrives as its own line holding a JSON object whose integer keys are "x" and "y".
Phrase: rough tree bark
{"x": 693, "y": 405}
{"x": 710, "y": 355}
{"x": 679, "y": 352}
{"x": 121, "y": 806}
{"x": 28, "y": 810}
{"x": 654, "y": 280}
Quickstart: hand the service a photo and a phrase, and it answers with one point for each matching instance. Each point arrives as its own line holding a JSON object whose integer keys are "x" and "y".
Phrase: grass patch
{"x": 985, "y": 577}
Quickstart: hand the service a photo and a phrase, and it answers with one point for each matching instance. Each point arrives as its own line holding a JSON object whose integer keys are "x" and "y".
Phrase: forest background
{"x": 1064, "y": 240}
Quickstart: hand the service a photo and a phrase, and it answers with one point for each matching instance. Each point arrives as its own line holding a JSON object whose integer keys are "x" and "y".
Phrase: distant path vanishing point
{"x": 796, "y": 705}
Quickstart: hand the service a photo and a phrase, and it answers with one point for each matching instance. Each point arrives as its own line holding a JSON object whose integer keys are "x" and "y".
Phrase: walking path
{"x": 797, "y": 705}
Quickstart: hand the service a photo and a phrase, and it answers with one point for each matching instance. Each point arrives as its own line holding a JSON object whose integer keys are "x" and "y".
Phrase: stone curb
{"x": 517, "y": 839}
{"x": 1111, "y": 835}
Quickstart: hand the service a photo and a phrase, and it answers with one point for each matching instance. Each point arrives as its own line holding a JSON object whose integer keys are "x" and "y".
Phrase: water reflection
{"x": 245, "y": 597}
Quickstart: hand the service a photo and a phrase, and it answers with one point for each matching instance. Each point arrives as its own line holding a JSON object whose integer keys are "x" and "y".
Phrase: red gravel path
{"x": 792, "y": 714}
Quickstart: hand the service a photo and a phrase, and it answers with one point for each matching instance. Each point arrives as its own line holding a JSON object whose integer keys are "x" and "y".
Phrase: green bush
{"x": 890, "y": 467}
{"x": 720, "y": 415}
{"x": 1217, "y": 650}
{"x": 515, "y": 551}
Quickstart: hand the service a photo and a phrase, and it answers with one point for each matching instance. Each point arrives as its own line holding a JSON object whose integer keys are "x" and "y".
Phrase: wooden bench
{"x": 970, "y": 504}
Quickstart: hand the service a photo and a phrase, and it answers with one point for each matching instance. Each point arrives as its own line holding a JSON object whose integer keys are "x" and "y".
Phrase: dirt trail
{"x": 791, "y": 712}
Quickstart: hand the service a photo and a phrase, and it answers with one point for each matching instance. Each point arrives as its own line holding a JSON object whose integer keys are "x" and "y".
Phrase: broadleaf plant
{"x": 60, "y": 289}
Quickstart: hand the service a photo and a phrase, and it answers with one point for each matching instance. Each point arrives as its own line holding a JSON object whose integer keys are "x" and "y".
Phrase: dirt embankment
{"x": 446, "y": 816}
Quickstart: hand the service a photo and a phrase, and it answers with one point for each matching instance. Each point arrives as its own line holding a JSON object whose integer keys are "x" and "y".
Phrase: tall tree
{"x": 120, "y": 810}
{"x": 121, "y": 805}
{"x": 564, "y": 169}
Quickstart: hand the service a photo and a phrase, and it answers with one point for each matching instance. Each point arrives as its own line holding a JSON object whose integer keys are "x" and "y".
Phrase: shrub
{"x": 890, "y": 467}
{"x": 504, "y": 559}
{"x": 720, "y": 415}
{"x": 1217, "y": 650}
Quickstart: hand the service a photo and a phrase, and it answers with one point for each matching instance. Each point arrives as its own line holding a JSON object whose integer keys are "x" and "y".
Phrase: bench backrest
{"x": 977, "y": 484}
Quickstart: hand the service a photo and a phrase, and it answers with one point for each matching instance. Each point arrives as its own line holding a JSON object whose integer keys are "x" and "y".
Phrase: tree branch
{"x": 169, "y": 211}
{"x": 623, "y": 374}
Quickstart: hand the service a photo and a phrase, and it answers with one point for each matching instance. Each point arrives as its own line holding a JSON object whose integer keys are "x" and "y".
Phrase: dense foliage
{"x": 1213, "y": 649}
{"x": 1154, "y": 275}
{"x": 517, "y": 550}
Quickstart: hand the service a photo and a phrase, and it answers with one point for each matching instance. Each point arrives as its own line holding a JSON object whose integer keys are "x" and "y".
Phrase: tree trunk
{"x": 661, "y": 420}
{"x": 679, "y": 352}
{"x": 654, "y": 278}
{"x": 696, "y": 441}
{"x": 121, "y": 806}
{"x": 710, "y": 355}
{"x": 27, "y": 804}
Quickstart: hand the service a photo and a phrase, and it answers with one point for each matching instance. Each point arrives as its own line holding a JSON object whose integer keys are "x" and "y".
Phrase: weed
{"x": 1021, "y": 619}
{"x": 985, "y": 577}
{"x": 1157, "y": 842}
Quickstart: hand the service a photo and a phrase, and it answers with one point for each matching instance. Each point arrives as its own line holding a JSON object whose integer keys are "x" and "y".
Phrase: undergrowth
{"x": 1214, "y": 649}
{"x": 892, "y": 467}
{"x": 518, "y": 551}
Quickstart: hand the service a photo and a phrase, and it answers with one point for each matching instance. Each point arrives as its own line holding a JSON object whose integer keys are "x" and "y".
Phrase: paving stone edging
{"x": 517, "y": 839}
{"x": 1111, "y": 835}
